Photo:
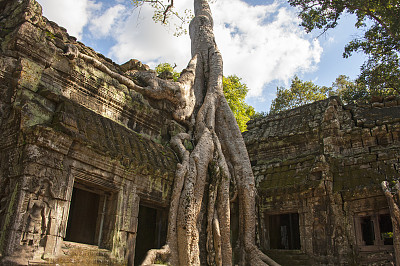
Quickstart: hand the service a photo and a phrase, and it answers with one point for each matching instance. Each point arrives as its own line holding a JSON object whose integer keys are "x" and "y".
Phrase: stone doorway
{"x": 151, "y": 231}
{"x": 83, "y": 217}
{"x": 284, "y": 231}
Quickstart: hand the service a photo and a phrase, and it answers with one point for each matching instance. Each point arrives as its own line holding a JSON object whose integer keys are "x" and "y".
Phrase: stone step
{"x": 289, "y": 257}
{"x": 82, "y": 254}
{"x": 385, "y": 257}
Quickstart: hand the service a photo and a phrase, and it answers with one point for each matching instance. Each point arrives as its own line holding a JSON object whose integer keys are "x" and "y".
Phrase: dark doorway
{"x": 284, "y": 231}
{"x": 151, "y": 231}
{"x": 367, "y": 228}
{"x": 83, "y": 214}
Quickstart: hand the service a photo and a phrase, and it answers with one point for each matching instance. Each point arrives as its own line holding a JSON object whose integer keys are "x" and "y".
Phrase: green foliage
{"x": 349, "y": 91}
{"x": 259, "y": 115}
{"x": 304, "y": 92}
{"x": 299, "y": 93}
{"x": 352, "y": 92}
{"x": 165, "y": 70}
{"x": 159, "y": 261}
{"x": 235, "y": 92}
{"x": 387, "y": 235}
{"x": 380, "y": 21}
{"x": 50, "y": 35}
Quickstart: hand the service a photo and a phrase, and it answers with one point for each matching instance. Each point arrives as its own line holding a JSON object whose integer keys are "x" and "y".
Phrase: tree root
{"x": 393, "y": 199}
{"x": 180, "y": 93}
{"x": 154, "y": 255}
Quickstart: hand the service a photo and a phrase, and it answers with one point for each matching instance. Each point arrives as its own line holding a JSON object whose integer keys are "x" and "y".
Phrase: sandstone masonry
{"x": 86, "y": 172}
{"x": 74, "y": 142}
{"x": 318, "y": 170}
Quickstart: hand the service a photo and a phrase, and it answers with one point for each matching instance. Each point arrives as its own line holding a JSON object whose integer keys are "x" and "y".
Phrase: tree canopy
{"x": 167, "y": 71}
{"x": 234, "y": 90}
{"x": 299, "y": 93}
{"x": 348, "y": 90}
{"x": 303, "y": 92}
{"x": 235, "y": 93}
{"x": 380, "y": 20}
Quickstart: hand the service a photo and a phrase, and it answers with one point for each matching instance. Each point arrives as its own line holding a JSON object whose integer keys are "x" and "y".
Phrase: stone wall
{"x": 65, "y": 124}
{"x": 325, "y": 162}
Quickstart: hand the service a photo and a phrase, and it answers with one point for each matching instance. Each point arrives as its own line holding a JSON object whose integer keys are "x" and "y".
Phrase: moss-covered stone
{"x": 325, "y": 162}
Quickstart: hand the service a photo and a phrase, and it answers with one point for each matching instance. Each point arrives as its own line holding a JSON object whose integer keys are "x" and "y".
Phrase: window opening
{"x": 386, "y": 229}
{"x": 83, "y": 217}
{"x": 284, "y": 231}
{"x": 374, "y": 229}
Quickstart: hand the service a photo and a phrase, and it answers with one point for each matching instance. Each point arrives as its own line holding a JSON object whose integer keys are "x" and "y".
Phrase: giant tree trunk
{"x": 218, "y": 160}
{"x": 219, "y": 156}
{"x": 393, "y": 198}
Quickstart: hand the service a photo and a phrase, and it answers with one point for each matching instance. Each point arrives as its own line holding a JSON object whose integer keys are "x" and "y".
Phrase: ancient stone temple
{"x": 86, "y": 172}
{"x": 318, "y": 170}
{"x": 82, "y": 158}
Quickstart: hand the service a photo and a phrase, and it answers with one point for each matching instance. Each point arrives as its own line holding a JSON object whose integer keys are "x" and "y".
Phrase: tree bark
{"x": 393, "y": 198}
{"x": 219, "y": 155}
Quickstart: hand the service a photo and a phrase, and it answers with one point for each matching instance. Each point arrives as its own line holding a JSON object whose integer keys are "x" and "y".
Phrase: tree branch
{"x": 373, "y": 16}
{"x": 166, "y": 11}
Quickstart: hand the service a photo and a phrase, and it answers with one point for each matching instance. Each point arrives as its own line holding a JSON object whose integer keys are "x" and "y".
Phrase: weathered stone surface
{"x": 325, "y": 162}
{"x": 66, "y": 126}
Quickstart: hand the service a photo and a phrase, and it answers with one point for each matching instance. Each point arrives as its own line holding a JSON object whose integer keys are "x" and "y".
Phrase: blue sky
{"x": 260, "y": 40}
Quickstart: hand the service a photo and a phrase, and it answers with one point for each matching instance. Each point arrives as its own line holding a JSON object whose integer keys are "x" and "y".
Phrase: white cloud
{"x": 262, "y": 43}
{"x": 259, "y": 43}
{"x": 102, "y": 25}
{"x": 70, "y": 14}
{"x": 139, "y": 37}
